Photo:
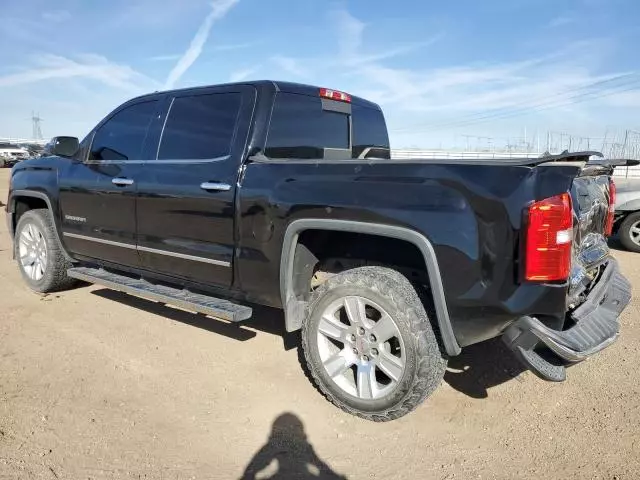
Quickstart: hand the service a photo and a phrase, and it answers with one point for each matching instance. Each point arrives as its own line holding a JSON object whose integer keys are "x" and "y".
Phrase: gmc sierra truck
{"x": 214, "y": 199}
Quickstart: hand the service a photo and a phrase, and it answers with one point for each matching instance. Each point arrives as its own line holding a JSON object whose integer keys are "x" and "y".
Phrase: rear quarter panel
{"x": 471, "y": 214}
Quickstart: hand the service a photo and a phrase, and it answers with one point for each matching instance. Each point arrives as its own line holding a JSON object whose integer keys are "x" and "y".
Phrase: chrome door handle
{"x": 122, "y": 182}
{"x": 220, "y": 187}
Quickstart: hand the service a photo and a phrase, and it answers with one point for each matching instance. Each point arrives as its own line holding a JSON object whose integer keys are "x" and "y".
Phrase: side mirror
{"x": 62, "y": 146}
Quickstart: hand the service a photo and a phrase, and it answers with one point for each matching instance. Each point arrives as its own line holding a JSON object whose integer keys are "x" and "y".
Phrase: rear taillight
{"x": 608, "y": 227}
{"x": 549, "y": 239}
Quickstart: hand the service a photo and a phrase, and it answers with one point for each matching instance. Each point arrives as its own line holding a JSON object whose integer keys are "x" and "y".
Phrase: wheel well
{"x": 307, "y": 242}
{"x": 319, "y": 254}
{"x": 24, "y": 204}
{"x": 322, "y": 253}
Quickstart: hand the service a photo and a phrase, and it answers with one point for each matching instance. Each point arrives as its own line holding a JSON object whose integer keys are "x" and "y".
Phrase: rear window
{"x": 200, "y": 127}
{"x": 300, "y": 128}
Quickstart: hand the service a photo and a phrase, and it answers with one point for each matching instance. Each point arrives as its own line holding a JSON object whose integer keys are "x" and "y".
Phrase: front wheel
{"x": 42, "y": 264}
{"x": 629, "y": 232}
{"x": 369, "y": 344}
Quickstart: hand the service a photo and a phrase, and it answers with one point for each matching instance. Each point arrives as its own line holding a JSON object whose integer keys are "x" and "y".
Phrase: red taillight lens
{"x": 608, "y": 228}
{"x": 335, "y": 95}
{"x": 549, "y": 238}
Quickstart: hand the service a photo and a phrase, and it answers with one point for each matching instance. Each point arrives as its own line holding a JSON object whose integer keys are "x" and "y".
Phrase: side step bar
{"x": 185, "y": 299}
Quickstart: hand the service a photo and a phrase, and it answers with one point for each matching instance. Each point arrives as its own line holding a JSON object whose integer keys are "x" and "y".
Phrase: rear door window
{"x": 300, "y": 128}
{"x": 122, "y": 137}
{"x": 200, "y": 127}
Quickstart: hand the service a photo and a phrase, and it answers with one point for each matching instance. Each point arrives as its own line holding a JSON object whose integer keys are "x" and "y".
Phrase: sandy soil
{"x": 96, "y": 384}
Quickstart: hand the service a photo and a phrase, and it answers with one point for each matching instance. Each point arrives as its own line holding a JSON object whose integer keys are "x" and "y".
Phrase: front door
{"x": 186, "y": 196}
{"x": 98, "y": 192}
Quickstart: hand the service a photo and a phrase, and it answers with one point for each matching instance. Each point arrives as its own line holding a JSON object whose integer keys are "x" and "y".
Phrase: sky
{"x": 445, "y": 73}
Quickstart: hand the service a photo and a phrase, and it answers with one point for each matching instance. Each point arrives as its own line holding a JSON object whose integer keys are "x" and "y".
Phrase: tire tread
{"x": 623, "y": 232}
{"x": 431, "y": 362}
{"x": 56, "y": 275}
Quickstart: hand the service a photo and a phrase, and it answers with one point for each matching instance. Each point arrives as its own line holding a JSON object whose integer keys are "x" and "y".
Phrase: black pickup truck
{"x": 214, "y": 199}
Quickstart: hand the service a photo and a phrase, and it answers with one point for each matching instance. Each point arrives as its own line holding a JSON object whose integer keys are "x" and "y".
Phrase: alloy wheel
{"x": 361, "y": 348}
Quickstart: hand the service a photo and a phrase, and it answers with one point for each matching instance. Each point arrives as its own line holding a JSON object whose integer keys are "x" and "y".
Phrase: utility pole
{"x": 468, "y": 137}
{"x": 36, "y": 130}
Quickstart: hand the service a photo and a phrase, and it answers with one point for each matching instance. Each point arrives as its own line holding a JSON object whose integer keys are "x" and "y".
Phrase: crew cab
{"x": 218, "y": 198}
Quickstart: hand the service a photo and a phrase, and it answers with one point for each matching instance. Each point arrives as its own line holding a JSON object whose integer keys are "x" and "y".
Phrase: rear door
{"x": 98, "y": 192}
{"x": 185, "y": 210}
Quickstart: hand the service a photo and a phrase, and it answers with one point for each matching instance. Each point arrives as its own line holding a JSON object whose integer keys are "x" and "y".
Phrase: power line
{"x": 508, "y": 111}
{"x": 543, "y": 107}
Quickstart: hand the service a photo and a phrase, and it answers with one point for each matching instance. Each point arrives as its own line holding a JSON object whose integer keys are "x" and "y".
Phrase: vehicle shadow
{"x": 265, "y": 319}
{"x": 482, "y": 366}
{"x": 615, "y": 244}
{"x": 288, "y": 455}
{"x": 478, "y": 368}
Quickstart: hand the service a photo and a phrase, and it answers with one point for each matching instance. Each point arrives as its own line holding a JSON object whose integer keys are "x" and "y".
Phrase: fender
{"x": 30, "y": 193}
{"x": 295, "y": 309}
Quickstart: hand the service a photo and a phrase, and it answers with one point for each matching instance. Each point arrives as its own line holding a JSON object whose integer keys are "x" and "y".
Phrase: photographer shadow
{"x": 288, "y": 455}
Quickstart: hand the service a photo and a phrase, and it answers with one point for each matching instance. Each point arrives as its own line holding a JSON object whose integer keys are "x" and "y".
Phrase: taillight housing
{"x": 549, "y": 236}
{"x": 335, "y": 95}
{"x": 608, "y": 227}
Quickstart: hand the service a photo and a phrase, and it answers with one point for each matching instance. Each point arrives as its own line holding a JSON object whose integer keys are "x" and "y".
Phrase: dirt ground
{"x": 96, "y": 384}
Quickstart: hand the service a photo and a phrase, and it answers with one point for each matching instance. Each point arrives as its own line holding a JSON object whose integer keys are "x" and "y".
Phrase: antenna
{"x": 36, "y": 128}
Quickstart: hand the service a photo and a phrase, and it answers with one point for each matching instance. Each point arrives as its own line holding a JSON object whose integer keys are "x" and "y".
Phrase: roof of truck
{"x": 278, "y": 86}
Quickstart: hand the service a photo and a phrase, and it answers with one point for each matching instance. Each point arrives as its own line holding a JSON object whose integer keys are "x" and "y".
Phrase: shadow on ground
{"x": 265, "y": 319}
{"x": 288, "y": 455}
{"x": 615, "y": 244}
{"x": 482, "y": 366}
{"x": 478, "y": 368}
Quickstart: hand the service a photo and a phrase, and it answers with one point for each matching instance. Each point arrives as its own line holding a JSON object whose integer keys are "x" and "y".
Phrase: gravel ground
{"x": 96, "y": 384}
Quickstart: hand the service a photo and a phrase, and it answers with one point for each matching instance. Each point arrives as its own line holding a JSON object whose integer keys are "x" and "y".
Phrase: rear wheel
{"x": 40, "y": 258}
{"x": 369, "y": 344}
{"x": 629, "y": 232}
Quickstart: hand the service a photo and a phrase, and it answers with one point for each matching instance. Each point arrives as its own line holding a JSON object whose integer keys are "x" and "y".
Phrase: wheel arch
{"x": 16, "y": 196}
{"x": 295, "y": 308}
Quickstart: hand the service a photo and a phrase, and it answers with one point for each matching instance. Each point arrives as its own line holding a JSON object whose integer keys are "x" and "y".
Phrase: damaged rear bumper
{"x": 596, "y": 327}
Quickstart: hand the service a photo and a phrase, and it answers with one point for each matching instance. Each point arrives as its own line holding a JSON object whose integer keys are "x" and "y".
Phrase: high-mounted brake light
{"x": 608, "y": 227}
{"x": 549, "y": 239}
{"x": 335, "y": 95}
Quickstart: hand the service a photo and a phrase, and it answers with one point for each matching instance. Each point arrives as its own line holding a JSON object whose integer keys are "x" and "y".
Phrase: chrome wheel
{"x": 361, "y": 348}
{"x": 32, "y": 249}
{"x": 634, "y": 233}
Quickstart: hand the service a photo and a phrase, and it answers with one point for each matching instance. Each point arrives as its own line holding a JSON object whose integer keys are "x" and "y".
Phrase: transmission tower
{"x": 36, "y": 128}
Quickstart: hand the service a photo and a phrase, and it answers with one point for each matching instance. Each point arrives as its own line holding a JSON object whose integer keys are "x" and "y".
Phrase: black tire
{"x": 624, "y": 232}
{"x": 55, "y": 272}
{"x": 424, "y": 363}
